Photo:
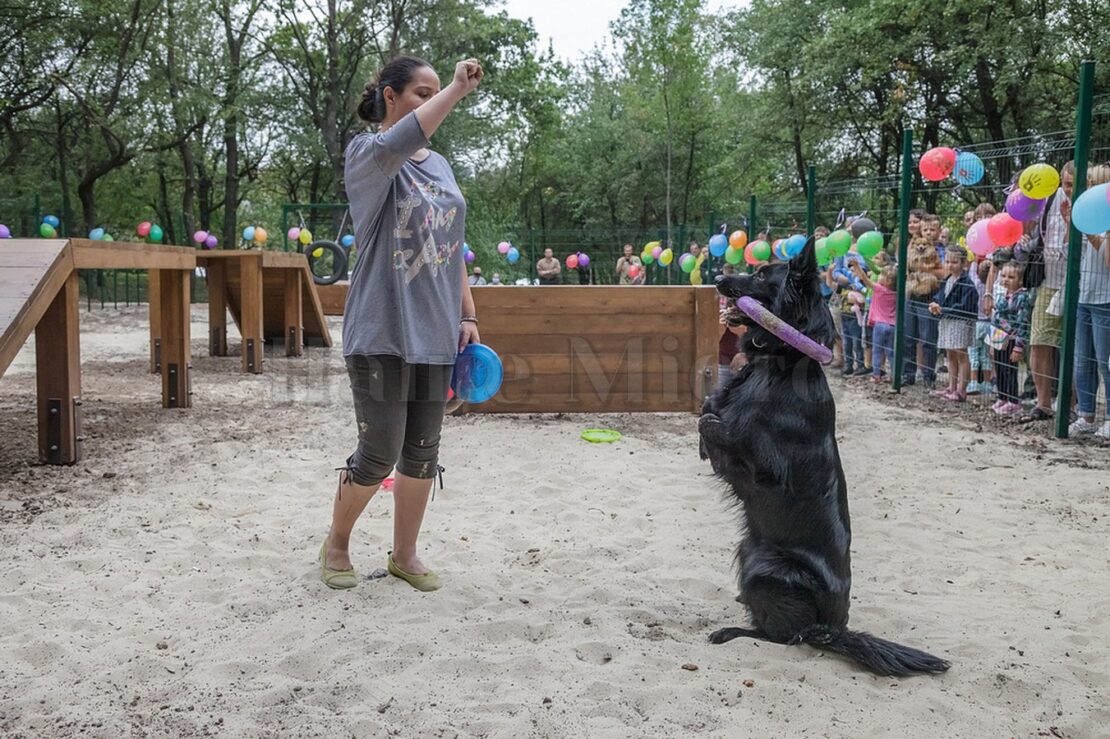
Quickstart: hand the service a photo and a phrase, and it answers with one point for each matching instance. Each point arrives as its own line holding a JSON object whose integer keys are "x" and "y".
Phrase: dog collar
{"x": 783, "y": 330}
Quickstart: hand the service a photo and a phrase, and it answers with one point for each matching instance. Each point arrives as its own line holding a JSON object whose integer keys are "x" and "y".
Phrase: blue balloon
{"x": 52, "y": 220}
{"x": 513, "y": 255}
{"x": 718, "y": 244}
{"x": 248, "y": 233}
{"x": 96, "y": 234}
{"x": 466, "y": 247}
{"x": 969, "y": 168}
{"x": 794, "y": 245}
{"x": 348, "y": 240}
{"x": 1091, "y": 212}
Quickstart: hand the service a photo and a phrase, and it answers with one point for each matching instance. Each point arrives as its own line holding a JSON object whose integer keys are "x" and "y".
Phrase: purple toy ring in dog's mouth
{"x": 783, "y": 330}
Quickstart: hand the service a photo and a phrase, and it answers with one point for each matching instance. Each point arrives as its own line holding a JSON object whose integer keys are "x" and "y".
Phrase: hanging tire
{"x": 327, "y": 261}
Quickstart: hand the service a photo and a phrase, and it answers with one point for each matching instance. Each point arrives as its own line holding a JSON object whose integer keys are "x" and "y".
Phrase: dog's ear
{"x": 804, "y": 265}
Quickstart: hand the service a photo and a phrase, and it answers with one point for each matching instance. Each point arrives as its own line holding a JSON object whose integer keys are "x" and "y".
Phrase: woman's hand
{"x": 1015, "y": 356}
{"x": 468, "y": 73}
{"x": 934, "y": 308}
{"x": 468, "y": 334}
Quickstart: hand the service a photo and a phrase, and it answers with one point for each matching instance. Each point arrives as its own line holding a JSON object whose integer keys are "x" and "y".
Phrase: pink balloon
{"x": 979, "y": 238}
{"x": 200, "y": 236}
{"x": 656, "y": 251}
{"x": 294, "y": 233}
{"x": 572, "y": 261}
{"x": 143, "y": 229}
{"x": 503, "y": 247}
{"x": 1004, "y": 230}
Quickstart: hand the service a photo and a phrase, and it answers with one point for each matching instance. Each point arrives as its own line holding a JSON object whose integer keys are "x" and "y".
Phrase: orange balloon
{"x": 260, "y": 235}
{"x": 738, "y": 240}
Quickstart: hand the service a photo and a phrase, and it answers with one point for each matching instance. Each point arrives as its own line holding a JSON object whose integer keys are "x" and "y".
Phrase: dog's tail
{"x": 878, "y": 655}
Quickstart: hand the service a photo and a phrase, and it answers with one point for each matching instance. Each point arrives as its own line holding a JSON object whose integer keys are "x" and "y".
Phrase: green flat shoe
{"x": 335, "y": 579}
{"x": 427, "y": 582}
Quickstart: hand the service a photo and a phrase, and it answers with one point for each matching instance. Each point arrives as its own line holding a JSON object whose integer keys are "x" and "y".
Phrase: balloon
{"x": 1004, "y": 230}
{"x": 1039, "y": 180}
{"x": 860, "y": 226}
{"x": 840, "y": 241}
{"x": 293, "y": 233}
{"x": 1021, "y": 207}
{"x": 260, "y": 235}
{"x": 794, "y": 245}
{"x": 979, "y": 238}
{"x": 470, "y": 257}
{"x": 937, "y": 163}
{"x": 969, "y": 168}
{"x": 652, "y": 246}
{"x": 757, "y": 251}
{"x": 52, "y": 220}
{"x": 318, "y": 252}
{"x": 777, "y": 249}
{"x": 870, "y": 244}
{"x": 211, "y": 241}
{"x": 347, "y": 240}
{"x": 47, "y": 231}
{"x": 738, "y": 239}
{"x": 633, "y": 272}
{"x": 687, "y": 262}
{"x": 647, "y": 257}
{"x": 200, "y": 237}
{"x": 5, "y": 232}
{"x": 108, "y": 237}
{"x": 1090, "y": 213}
{"x": 666, "y": 257}
{"x": 718, "y": 244}
{"x": 96, "y": 234}
{"x": 583, "y": 260}
{"x": 821, "y": 248}
{"x": 503, "y": 247}
{"x": 733, "y": 255}
{"x": 657, "y": 251}
{"x": 513, "y": 255}
{"x": 155, "y": 233}
{"x": 572, "y": 261}
{"x": 248, "y": 233}
{"x": 143, "y": 229}
{"x": 305, "y": 236}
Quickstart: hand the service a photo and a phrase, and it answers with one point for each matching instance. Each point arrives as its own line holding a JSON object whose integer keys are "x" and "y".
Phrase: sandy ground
{"x": 167, "y": 585}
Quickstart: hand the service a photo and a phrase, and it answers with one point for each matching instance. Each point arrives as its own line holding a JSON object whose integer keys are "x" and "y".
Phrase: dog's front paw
{"x": 720, "y": 636}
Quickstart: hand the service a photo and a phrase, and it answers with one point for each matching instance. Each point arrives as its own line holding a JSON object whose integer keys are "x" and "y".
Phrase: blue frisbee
{"x": 478, "y": 374}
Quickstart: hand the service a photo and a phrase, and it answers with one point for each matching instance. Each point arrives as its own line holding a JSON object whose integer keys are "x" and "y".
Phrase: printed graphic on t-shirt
{"x": 435, "y": 250}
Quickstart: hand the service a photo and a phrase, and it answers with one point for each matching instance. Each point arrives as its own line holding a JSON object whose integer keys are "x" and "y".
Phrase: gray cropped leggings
{"x": 399, "y": 408}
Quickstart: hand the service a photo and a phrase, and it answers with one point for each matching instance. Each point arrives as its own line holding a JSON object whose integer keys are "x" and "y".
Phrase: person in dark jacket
{"x": 957, "y": 304}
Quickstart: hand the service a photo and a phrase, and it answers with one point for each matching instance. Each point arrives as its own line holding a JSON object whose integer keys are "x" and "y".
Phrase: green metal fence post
{"x": 811, "y": 201}
{"x": 752, "y": 228}
{"x": 903, "y": 253}
{"x": 1075, "y": 245}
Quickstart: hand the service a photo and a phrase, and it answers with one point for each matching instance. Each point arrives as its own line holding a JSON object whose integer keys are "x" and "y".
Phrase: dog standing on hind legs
{"x": 770, "y": 433}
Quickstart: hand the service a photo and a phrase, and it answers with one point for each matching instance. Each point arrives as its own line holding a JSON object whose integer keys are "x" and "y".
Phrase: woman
{"x": 409, "y": 308}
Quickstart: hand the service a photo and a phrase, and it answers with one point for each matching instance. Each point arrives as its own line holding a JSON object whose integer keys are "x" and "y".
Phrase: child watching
{"x": 979, "y": 353}
{"x": 930, "y": 231}
{"x": 881, "y": 318}
{"x": 844, "y": 277}
{"x": 957, "y": 305}
{"x": 1009, "y": 337}
{"x": 922, "y": 284}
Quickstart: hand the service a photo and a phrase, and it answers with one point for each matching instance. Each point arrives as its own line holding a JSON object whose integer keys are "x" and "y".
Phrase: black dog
{"x": 770, "y": 434}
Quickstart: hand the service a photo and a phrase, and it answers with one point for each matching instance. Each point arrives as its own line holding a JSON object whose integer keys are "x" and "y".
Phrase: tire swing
{"x": 327, "y": 261}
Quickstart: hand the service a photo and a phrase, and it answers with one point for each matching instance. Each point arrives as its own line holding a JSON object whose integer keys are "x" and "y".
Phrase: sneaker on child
{"x": 1081, "y": 426}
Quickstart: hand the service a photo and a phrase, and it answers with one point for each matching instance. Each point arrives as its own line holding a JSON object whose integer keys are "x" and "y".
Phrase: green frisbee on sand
{"x": 601, "y": 436}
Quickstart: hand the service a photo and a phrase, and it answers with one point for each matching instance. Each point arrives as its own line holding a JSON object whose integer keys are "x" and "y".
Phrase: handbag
{"x": 997, "y": 338}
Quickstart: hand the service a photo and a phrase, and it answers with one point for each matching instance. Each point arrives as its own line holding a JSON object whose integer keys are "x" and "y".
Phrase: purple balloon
{"x": 583, "y": 260}
{"x": 1021, "y": 207}
{"x": 469, "y": 257}
{"x": 210, "y": 242}
{"x": 5, "y": 232}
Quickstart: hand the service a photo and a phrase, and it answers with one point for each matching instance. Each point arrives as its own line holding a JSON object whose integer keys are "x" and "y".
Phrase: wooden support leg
{"x": 250, "y": 313}
{"x": 155, "y": 303}
{"x": 176, "y": 354}
{"x": 294, "y": 317}
{"x": 217, "y": 307}
{"x": 58, "y": 359}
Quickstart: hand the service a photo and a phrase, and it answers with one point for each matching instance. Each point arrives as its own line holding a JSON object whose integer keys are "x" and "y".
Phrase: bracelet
{"x": 469, "y": 319}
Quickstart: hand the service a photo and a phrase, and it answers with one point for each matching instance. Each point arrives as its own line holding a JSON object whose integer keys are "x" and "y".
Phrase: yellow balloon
{"x": 651, "y": 245}
{"x": 318, "y": 252}
{"x": 1039, "y": 180}
{"x": 305, "y": 237}
{"x": 666, "y": 257}
{"x": 259, "y": 234}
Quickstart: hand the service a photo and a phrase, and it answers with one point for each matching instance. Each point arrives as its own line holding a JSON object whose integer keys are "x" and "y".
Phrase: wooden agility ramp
{"x": 271, "y": 297}
{"x": 39, "y": 292}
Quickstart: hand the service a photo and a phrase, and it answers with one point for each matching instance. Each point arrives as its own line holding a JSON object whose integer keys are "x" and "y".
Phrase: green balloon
{"x": 647, "y": 258}
{"x": 870, "y": 244}
{"x": 688, "y": 262}
{"x": 107, "y": 237}
{"x": 734, "y": 256}
{"x": 760, "y": 251}
{"x": 156, "y": 233}
{"x": 821, "y": 248}
{"x": 47, "y": 231}
{"x": 839, "y": 241}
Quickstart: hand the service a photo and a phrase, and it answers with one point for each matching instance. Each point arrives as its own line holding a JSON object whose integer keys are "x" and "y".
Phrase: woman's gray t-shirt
{"x": 405, "y": 297}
